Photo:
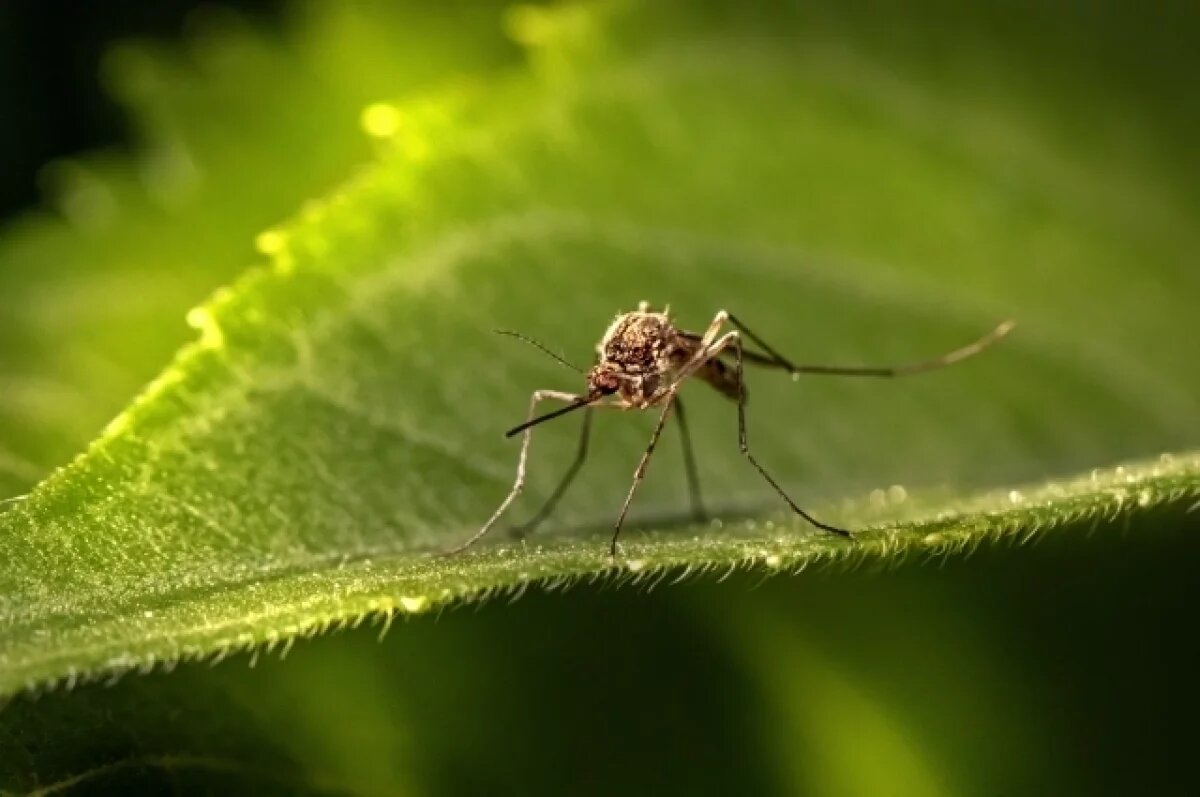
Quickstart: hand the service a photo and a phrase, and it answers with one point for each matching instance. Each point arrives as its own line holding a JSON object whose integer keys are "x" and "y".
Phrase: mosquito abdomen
{"x": 722, "y": 377}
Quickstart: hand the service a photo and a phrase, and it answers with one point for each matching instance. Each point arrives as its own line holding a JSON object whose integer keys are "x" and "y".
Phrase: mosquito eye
{"x": 608, "y": 384}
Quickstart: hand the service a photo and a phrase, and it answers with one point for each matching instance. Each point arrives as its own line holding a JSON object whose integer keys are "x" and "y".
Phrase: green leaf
{"x": 338, "y": 419}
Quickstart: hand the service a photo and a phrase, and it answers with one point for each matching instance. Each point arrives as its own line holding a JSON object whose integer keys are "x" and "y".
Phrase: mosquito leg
{"x": 710, "y": 334}
{"x": 519, "y": 484}
{"x": 734, "y": 340}
{"x": 778, "y": 358}
{"x": 640, "y": 473}
{"x": 689, "y": 463}
{"x": 941, "y": 361}
{"x": 565, "y": 483}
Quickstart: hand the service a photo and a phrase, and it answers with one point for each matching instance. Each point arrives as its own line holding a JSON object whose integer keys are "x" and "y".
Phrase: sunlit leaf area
{"x": 251, "y": 394}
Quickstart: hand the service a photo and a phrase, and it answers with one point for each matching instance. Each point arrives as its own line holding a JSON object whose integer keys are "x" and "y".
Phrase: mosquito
{"x": 642, "y": 361}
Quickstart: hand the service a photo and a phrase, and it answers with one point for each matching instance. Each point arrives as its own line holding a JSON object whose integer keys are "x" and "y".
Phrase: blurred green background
{"x": 1063, "y": 667}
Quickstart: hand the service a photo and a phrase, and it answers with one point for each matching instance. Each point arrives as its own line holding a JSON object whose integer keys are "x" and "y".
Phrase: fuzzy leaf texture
{"x": 339, "y": 417}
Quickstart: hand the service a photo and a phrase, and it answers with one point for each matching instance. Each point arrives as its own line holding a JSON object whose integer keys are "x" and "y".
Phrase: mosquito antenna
{"x": 533, "y": 342}
{"x": 950, "y": 358}
{"x": 549, "y": 416}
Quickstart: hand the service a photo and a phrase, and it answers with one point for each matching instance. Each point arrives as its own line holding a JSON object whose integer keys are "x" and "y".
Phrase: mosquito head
{"x": 604, "y": 380}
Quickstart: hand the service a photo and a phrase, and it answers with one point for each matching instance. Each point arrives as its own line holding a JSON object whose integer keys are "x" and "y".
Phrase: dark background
{"x": 51, "y": 98}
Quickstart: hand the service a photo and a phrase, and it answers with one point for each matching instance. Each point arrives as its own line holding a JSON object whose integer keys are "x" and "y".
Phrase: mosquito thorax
{"x": 637, "y": 342}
